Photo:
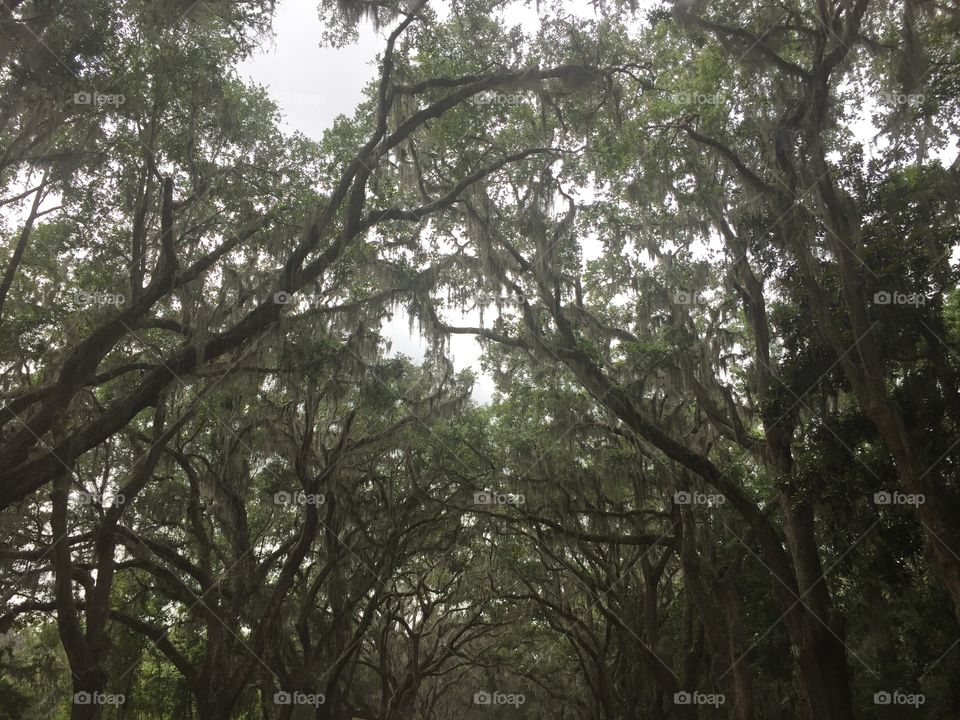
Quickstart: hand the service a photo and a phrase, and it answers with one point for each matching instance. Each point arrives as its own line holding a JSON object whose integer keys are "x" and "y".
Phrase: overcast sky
{"x": 312, "y": 86}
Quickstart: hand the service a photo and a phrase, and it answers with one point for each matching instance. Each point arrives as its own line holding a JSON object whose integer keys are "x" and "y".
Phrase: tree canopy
{"x": 709, "y": 249}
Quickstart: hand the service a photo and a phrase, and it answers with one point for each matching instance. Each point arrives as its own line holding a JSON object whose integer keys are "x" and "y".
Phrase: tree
{"x": 717, "y": 477}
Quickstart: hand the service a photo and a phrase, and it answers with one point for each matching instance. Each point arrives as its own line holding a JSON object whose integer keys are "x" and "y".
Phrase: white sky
{"x": 313, "y": 85}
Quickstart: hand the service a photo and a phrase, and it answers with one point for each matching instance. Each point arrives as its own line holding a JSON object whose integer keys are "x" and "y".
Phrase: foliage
{"x": 723, "y": 325}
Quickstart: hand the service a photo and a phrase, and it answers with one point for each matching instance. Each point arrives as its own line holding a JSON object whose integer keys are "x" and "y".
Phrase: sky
{"x": 314, "y": 85}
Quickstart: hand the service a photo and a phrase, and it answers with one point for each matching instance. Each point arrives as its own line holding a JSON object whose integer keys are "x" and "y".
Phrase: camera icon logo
{"x": 882, "y": 298}
{"x": 482, "y": 698}
{"x": 882, "y": 698}
{"x": 882, "y": 498}
{"x": 282, "y": 297}
{"x": 682, "y": 698}
{"x": 281, "y": 697}
{"x": 282, "y": 498}
{"x": 482, "y": 498}
{"x": 82, "y": 698}
{"x": 83, "y": 98}
{"x": 682, "y": 498}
